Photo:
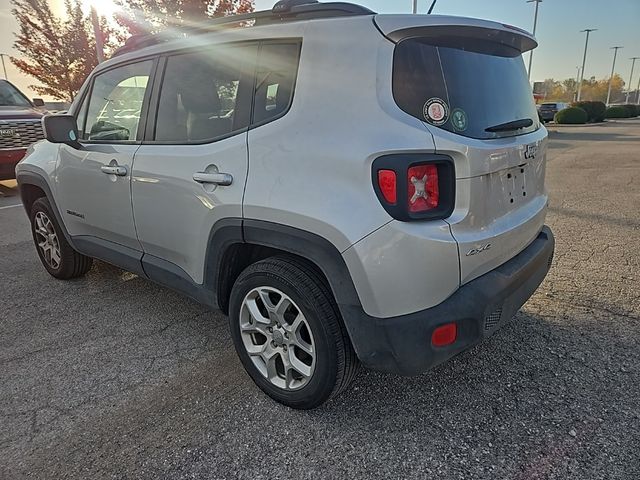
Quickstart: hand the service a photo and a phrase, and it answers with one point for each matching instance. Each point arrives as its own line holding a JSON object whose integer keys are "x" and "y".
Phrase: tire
{"x": 57, "y": 256}
{"x": 316, "y": 359}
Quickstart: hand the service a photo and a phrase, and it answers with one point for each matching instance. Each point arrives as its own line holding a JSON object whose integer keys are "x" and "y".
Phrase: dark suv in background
{"x": 548, "y": 110}
{"x": 20, "y": 126}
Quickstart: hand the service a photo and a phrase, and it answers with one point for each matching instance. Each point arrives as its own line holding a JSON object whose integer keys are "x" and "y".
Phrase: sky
{"x": 559, "y": 24}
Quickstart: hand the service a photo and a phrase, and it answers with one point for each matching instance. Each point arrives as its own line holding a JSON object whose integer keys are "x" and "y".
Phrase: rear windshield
{"x": 11, "y": 96}
{"x": 464, "y": 86}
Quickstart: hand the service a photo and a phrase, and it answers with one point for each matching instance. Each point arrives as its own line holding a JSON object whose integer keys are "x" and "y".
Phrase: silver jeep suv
{"x": 350, "y": 188}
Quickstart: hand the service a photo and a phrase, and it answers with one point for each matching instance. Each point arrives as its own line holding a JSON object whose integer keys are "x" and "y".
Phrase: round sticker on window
{"x": 436, "y": 111}
{"x": 459, "y": 119}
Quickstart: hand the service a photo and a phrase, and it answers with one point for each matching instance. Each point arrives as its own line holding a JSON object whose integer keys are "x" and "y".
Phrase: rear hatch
{"x": 466, "y": 80}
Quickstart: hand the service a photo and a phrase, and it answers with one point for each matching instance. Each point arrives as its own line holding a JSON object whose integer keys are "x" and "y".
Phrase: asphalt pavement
{"x": 112, "y": 376}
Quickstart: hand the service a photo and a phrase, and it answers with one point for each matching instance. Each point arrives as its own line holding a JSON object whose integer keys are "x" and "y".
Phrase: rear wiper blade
{"x": 515, "y": 125}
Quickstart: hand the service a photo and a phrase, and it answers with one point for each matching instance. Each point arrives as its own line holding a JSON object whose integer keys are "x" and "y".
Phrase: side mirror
{"x": 38, "y": 102}
{"x": 61, "y": 129}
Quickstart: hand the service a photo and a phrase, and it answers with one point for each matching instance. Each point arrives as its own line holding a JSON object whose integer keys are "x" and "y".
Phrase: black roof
{"x": 283, "y": 11}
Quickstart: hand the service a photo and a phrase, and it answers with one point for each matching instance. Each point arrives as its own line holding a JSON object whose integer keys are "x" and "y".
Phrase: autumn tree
{"x": 59, "y": 52}
{"x": 592, "y": 89}
{"x": 150, "y": 16}
{"x": 596, "y": 90}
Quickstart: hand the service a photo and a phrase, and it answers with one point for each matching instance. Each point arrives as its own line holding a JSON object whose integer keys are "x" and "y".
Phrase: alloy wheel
{"x": 277, "y": 337}
{"x": 47, "y": 240}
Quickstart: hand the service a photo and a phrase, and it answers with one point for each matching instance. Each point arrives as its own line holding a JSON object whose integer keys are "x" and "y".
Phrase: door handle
{"x": 120, "y": 171}
{"x": 223, "y": 179}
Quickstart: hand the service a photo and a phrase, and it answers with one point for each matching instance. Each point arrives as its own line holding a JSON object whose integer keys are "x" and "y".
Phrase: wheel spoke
{"x": 282, "y": 307}
{"x": 55, "y": 257}
{"x": 272, "y": 370}
{"x": 302, "y": 345}
{"x": 255, "y": 327}
{"x": 298, "y": 365}
{"x": 296, "y": 338}
{"x": 264, "y": 296}
{"x": 39, "y": 222}
{"x": 255, "y": 312}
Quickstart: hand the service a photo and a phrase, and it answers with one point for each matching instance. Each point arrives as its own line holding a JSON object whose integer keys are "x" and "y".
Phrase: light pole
{"x": 584, "y": 59}
{"x": 535, "y": 24}
{"x": 633, "y": 64}
{"x": 2, "y": 55}
{"x": 98, "y": 34}
{"x": 615, "y": 54}
{"x": 575, "y": 95}
{"x": 415, "y": 6}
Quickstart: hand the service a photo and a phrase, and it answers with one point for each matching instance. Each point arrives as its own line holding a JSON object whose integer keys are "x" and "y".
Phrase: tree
{"x": 151, "y": 16}
{"x": 592, "y": 89}
{"x": 58, "y": 52}
{"x": 596, "y": 90}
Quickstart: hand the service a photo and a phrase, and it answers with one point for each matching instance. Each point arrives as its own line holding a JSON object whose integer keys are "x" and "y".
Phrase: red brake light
{"x": 388, "y": 187}
{"x": 423, "y": 193}
{"x": 444, "y": 335}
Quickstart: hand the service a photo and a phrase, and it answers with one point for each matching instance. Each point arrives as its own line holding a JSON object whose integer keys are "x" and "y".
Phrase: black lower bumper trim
{"x": 403, "y": 344}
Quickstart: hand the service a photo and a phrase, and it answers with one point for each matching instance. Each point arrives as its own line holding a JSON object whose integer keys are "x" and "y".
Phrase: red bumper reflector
{"x": 444, "y": 335}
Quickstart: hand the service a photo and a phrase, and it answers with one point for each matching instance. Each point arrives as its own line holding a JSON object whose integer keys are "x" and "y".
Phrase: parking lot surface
{"x": 112, "y": 376}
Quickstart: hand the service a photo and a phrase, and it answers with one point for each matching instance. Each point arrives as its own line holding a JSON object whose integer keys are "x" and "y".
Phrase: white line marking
{"x": 11, "y": 206}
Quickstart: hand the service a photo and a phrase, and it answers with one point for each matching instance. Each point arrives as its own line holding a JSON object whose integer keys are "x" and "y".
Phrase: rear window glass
{"x": 464, "y": 87}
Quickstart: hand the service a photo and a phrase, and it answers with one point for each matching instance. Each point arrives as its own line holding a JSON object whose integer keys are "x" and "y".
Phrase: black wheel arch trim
{"x": 310, "y": 246}
{"x": 324, "y": 255}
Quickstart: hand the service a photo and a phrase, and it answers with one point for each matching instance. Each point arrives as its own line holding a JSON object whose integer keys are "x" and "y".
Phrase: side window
{"x": 202, "y": 97}
{"x": 116, "y": 102}
{"x": 277, "y": 70}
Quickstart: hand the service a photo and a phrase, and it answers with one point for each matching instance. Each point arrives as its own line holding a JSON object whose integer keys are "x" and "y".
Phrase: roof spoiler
{"x": 439, "y": 27}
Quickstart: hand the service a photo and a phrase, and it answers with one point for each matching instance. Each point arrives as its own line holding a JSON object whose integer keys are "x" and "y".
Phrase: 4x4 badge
{"x": 475, "y": 251}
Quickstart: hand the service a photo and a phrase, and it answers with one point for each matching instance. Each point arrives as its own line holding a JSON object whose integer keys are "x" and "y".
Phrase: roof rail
{"x": 283, "y": 11}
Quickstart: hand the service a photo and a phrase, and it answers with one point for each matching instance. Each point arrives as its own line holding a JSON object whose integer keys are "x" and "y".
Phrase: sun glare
{"x": 104, "y": 7}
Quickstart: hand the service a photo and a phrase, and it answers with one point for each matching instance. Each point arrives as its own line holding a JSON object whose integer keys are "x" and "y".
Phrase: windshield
{"x": 465, "y": 86}
{"x": 10, "y": 96}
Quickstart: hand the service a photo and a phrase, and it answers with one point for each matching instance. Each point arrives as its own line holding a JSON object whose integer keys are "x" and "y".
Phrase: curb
{"x": 584, "y": 125}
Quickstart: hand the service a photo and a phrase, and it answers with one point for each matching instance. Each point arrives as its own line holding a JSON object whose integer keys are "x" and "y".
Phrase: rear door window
{"x": 203, "y": 98}
{"x": 464, "y": 86}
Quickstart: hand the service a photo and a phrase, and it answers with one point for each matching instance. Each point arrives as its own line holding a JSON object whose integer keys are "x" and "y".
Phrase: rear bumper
{"x": 403, "y": 344}
{"x": 8, "y": 161}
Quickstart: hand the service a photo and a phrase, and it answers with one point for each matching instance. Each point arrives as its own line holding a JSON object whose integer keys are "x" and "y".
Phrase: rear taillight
{"x": 415, "y": 186}
{"x": 388, "y": 187}
{"x": 422, "y": 184}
